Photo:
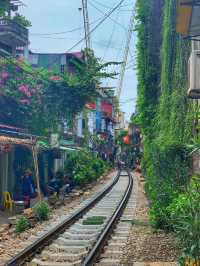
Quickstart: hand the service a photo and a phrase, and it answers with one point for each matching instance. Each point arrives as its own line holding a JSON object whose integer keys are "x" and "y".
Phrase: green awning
{"x": 70, "y": 149}
{"x": 64, "y": 142}
{"x": 43, "y": 144}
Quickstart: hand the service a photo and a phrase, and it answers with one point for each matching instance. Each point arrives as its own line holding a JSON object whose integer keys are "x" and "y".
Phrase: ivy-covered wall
{"x": 149, "y": 28}
{"x": 164, "y": 111}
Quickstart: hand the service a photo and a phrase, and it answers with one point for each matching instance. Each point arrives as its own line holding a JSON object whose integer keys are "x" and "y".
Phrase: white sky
{"x": 108, "y": 41}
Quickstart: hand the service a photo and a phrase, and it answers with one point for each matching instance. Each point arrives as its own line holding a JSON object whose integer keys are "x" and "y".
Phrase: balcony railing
{"x": 12, "y": 33}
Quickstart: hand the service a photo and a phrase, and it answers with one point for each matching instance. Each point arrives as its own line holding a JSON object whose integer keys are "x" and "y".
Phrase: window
{"x": 62, "y": 69}
{"x": 194, "y": 75}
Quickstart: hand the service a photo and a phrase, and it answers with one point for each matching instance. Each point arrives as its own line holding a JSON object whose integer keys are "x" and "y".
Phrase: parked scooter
{"x": 54, "y": 187}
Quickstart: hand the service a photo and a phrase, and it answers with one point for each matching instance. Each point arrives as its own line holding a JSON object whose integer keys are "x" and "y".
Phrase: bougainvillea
{"x": 20, "y": 85}
{"x": 41, "y": 98}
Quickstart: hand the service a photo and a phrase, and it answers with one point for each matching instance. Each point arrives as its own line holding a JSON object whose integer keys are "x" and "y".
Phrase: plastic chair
{"x": 8, "y": 201}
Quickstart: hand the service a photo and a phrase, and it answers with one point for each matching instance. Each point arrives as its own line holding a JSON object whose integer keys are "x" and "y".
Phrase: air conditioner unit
{"x": 194, "y": 75}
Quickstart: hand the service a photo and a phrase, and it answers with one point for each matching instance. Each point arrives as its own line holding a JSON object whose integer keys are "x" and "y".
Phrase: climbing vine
{"x": 165, "y": 113}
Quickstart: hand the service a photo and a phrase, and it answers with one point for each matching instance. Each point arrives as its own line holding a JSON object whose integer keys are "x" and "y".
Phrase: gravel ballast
{"x": 146, "y": 246}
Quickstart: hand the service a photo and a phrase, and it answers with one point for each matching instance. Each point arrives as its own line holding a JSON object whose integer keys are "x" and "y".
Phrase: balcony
{"x": 13, "y": 34}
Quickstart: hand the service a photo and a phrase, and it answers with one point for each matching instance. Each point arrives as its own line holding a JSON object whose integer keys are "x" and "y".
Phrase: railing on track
{"x": 26, "y": 254}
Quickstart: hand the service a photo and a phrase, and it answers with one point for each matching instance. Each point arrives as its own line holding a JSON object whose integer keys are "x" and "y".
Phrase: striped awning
{"x": 16, "y": 141}
{"x": 188, "y": 18}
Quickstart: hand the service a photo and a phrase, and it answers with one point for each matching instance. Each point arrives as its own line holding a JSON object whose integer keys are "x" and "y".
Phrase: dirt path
{"x": 147, "y": 246}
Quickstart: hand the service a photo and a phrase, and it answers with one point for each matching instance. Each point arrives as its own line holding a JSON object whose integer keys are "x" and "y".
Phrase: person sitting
{"x": 28, "y": 188}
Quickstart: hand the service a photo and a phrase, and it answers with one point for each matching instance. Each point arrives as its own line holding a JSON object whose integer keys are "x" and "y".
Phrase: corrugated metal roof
{"x": 15, "y": 141}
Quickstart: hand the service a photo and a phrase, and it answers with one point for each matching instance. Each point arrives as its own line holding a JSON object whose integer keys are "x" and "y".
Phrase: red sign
{"x": 107, "y": 107}
{"x": 91, "y": 106}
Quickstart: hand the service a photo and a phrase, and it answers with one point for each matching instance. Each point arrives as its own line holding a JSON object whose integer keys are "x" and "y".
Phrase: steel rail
{"x": 96, "y": 251}
{"x": 26, "y": 254}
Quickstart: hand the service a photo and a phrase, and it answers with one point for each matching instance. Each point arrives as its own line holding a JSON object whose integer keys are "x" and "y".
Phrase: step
{"x": 112, "y": 254}
{"x": 115, "y": 246}
{"x": 37, "y": 262}
{"x": 84, "y": 231}
{"x": 62, "y": 256}
{"x": 119, "y": 238}
{"x": 121, "y": 233}
{"x": 89, "y": 226}
{"x": 70, "y": 249}
{"x": 75, "y": 236}
{"x": 109, "y": 262}
{"x": 69, "y": 242}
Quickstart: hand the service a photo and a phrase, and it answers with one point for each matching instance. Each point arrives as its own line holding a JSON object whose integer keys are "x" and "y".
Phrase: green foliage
{"x": 166, "y": 116}
{"x": 43, "y": 98}
{"x": 21, "y": 93}
{"x": 167, "y": 175}
{"x": 94, "y": 220}
{"x": 4, "y": 7}
{"x": 85, "y": 167}
{"x": 21, "y": 20}
{"x": 42, "y": 211}
{"x": 185, "y": 220}
{"x": 22, "y": 225}
{"x": 149, "y": 28}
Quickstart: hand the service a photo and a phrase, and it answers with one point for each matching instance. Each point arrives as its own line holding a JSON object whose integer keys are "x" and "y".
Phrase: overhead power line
{"x": 114, "y": 20}
{"x": 117, "y": 48}
{"x": 107, "y": 15}
{"x": 64, "y": 32}
{"x": 126, "y": 53}
{"x": 106, "y": 6}
{"x": 108, "y": 46}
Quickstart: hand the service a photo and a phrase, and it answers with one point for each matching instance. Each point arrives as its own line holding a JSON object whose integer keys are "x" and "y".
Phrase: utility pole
{"x": 126, "y": 52}
{"x": 86, "y": 24}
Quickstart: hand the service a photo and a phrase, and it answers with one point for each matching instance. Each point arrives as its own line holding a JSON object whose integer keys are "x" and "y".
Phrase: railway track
{"x": 80, "y": 239}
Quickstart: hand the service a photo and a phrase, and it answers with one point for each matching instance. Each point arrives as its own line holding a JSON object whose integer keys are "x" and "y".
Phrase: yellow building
{"x": 188, "y": 18}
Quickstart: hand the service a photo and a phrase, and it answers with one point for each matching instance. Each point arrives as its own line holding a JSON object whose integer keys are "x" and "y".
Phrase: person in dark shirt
{"x": 28, "y": 188}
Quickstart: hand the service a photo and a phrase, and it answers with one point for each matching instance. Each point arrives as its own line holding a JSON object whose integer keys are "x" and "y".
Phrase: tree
{"x": 46, "y": 98}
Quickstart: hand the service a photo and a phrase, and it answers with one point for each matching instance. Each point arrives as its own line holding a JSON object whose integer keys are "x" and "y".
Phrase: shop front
{"x": 15, "y": 158}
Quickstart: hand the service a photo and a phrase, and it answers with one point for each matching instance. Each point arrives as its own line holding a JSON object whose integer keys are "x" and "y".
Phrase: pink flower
{"x": 4, "y": 75}
{"x": 2, "y": 82}
{"x": 25, "y": 101}
{"x": 25, "y": 90}
{"x": 55, "y": 78}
